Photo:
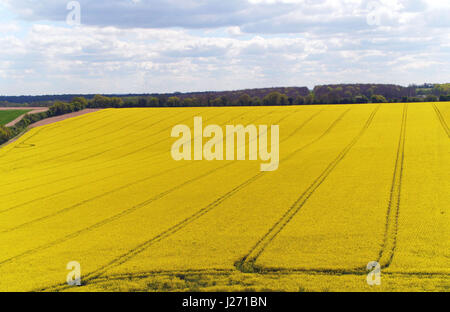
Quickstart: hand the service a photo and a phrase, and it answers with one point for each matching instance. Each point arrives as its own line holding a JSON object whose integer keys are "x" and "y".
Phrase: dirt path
{"x": 34, "y": 110}
{"x": 51, "y": 120}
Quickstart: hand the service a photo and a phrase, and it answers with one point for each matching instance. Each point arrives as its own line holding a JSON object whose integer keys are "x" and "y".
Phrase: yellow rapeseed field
{"x": 355, "y": 184}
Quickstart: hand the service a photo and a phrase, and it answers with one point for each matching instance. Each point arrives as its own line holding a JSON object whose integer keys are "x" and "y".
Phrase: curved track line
{"x": 77, "y": 175}
{"x": 110, "y": 219}
{"x": 70, "y": 177}
{"x": 87, "y": 166}
{"x": 172, "y": 230}
{"x": 20, "y": 160}
{"x": 79, "y": 204}
{"x": 85, "y": 201}
{"x": 45, "y": 127}
{"x": 76, "y": 119}
{"x": 80, "y": 185}
{"x": 83, "y": 141}
{"x": 52, "y": 159}
{"x": 221, "y": 272}
{"x": 107, "y": 220}
{"x": 389, "y": 245}
{"x": 225, "y": 272}
{"x": 30, "y": 157}
{"x": 442, "y": 120}
{"x": 300, "y": 127}
{"x": 247, "y": 262}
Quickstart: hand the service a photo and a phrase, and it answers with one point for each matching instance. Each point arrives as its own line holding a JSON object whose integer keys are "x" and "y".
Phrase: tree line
{"x": 324, "y": 94}
{"x": 330, "y": 94}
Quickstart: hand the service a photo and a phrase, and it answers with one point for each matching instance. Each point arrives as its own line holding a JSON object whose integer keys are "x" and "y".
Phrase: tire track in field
{"x": 28, "y": 157}
{"x": 83, "y": 166}
{"x": 391, "y": 217}
{"x": 389, "y": 244}
{"x": 154, "y": 143}
{"x": 218, "y": 272}
{"x": 394, "y": 201}
{"x": 113, "y": 218}
{"x": 72, "y": 188}
{"x": 59, "y": 125}
{"x": 74, "y": 176}
{"x": 227, "y": 272}
{"x": 40, "y": 219}
{"x": 301, "y": 126}
{"x": 84, "y": 174}
{"x": 442, "y": 120}
{"x": 163, "y": 140}
{"x": 90, "y": 147}
{"x": 129, "y": 143}
{"x": 102, "y": 126}
{"x": 247, "y": 263}
{"x": 107, "y": 220}
{"x": 53, "y": 126}
{"x": 45, "y": 127}
{"x": 59, "y": 180}
{"x": 20, "y": 143}
{"x": 87, "y": 148}
{"x": 140, "y": 275}
{"x": 182, "y": 224}
{"x": 86, "y": 201}
{"x": 78, "y": 186}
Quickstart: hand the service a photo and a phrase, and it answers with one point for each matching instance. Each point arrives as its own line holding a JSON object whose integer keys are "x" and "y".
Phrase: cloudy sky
{"x": 145, "y": 46}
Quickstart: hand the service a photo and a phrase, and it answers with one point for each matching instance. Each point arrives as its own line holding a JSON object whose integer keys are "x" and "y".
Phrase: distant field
{"x": 7, "y": 116}
{"x": 355, "y": 184}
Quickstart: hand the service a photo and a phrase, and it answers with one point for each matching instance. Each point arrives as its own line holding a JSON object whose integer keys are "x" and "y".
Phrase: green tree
{"x": 153, "y": 102}
{"x": 100, "y": 101}
{"x": 431, "y": 98}
{"x": 173, "y": 101}
{"x": 275, "y": 98}
{"x": 188, "y": 102}
{"x": 378, "y": 99}
{"x": 256, "y": 101}
{"x": 116, "y": 102}
{"x": 309, "y": 99}
{"x": 361, "y": 99}
{"x": 79, "y": 103}
{"x": 142, "y": 102}
{"x": 60, "y": 108}
{"x": 299, "y": 100}
{"x": 244, "y": 100}
{"x": 5, "y": 134}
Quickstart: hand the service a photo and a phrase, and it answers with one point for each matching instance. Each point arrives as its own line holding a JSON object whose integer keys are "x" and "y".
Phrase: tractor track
{"x": 52, "y": 159}
{"x": 74, "y": 144}
{"x": 84, "y": 201}
{"x": 85, "y": 166}
{"x": 389, "y": 244}
{"x": 442, "y": 120}
{"x": 247, "y": 263}
{"x": 78, "y": 175}
{"x": 110, "y": 219}
{"x": 182, "y": 224}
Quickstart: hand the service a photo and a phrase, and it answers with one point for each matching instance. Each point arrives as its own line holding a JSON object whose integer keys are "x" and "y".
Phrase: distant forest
{"x": 324, "y": 94}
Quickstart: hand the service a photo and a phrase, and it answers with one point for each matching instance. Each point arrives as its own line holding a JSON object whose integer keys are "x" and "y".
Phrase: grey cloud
{"x": 264, "y": 18}
{"x": 148, "y": 13}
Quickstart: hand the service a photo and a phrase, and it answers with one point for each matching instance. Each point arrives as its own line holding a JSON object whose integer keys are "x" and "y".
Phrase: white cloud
{"x": 204, "y": 45}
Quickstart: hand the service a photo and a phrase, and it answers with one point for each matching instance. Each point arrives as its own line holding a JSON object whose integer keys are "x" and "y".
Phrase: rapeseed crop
{"x": 355, "y": 183}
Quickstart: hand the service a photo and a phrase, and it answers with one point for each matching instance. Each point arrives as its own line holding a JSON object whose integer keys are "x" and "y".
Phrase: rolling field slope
{"x": 355, "y": 184}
